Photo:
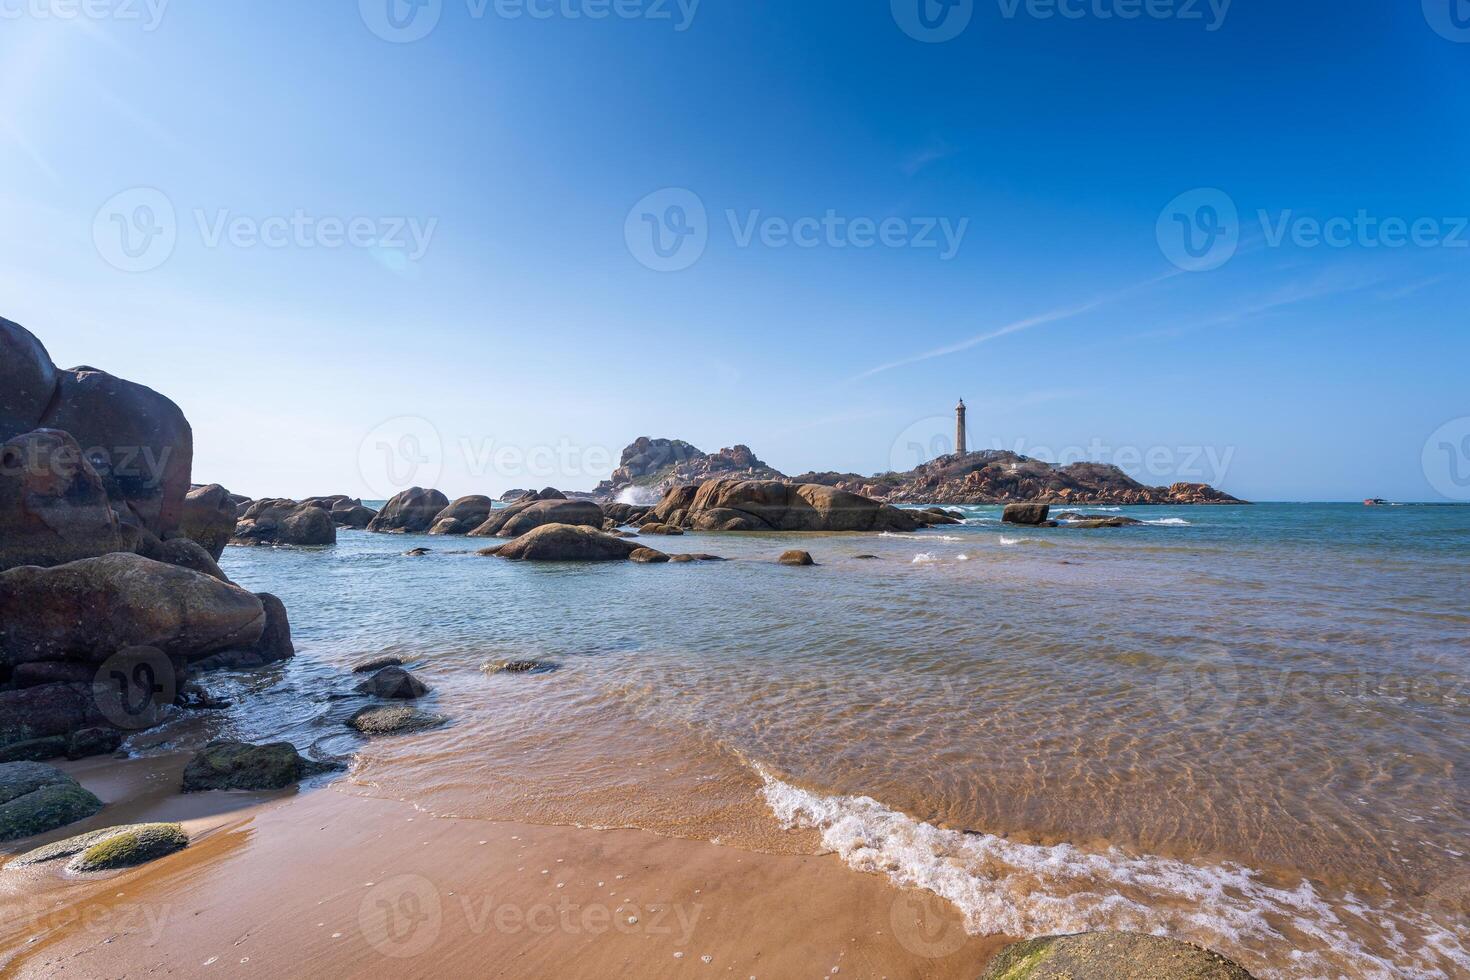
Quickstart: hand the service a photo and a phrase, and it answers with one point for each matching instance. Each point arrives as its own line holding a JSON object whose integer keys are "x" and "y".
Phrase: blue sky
{"x": 356, "y": 240}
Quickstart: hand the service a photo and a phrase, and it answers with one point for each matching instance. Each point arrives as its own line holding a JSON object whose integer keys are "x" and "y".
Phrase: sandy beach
{"x": 326, "y": 883}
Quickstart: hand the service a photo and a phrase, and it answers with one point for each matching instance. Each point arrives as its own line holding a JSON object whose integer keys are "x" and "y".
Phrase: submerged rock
{"x": 647, "y": 556}
{"x": 520, "y": 667}
{"x": 393, "y": 719}
{"x": 694, "y": 557}
{"x": 1031, "y": 515}
{"x": 376, "y": 664}
{"x": 394, "y": 683}
{"x": 659, "y": 529}
{"x": 1110, "y": 956}
{"x": 36, "y": 798}
{"x": 240, "y": 765}
{"x": 796, "y": 558}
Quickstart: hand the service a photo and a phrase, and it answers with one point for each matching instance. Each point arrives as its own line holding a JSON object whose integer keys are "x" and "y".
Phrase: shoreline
{"x": 338, "y": 884}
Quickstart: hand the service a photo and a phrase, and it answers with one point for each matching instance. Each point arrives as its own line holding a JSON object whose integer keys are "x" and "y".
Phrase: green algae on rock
{"x": 1110, "y": 956}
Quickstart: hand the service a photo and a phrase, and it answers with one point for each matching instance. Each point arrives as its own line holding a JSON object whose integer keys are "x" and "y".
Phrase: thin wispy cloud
{"x": 1018, "y": 326}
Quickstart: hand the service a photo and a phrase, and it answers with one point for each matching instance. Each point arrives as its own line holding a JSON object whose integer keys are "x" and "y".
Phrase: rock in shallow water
{"x": 796, "y": 558}
{"x": 393, "y": 719}
{"x": 376, "y": 664}
{"x": 110, "y": 849}
{"x": 394, "y": 683}
{"x": 520, "y": 667}
{"x": 410, "y": 512}
{"x": 240, "y": 765}
{"x": 1110, "y": 956}
{"x": 565, "y": 542}
{"x": 1032, "y": 515}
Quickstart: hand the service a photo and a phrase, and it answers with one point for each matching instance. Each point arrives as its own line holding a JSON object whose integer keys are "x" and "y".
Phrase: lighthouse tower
{"x": 959, "y": 428}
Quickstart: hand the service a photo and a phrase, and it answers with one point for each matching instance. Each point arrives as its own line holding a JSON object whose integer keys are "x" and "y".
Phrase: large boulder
{"x": 1030, "y": 515}
{"x": 565, "y": 542}
{"x": 48, "y": 711}
{"x": 277, "y": 521}
{"x": 53, "y": 505}
{"x": 36, "y": 798}
{"x": 1110, "y": 956}
{"x": 354, "y": 516}
{"x": 88, "y": 610}
{"x": 520, "y": 518}
{"x": 463, "y": 515}
{"x": 209, "y": 518}
{"x": 410, "y": 512}
{"x": 240, "y": 765}
{"x": 137, "y": 441}
{"x": 766, "y": 505}
{"x": 394, "y": 684}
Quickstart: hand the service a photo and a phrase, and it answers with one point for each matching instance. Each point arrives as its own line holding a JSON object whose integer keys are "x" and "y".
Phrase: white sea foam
{"x": 638, "y": 496}
{"x": 923, "y": 558}
{"x": 1009, "y": 542}
{"x": 1169, "y": 522}
{"x": 1019, "y": 889}
{"x": 924, "y": 537}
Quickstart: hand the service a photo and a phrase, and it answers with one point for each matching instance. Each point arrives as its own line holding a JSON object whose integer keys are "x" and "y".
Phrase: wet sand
{"x": 330, "y": 884}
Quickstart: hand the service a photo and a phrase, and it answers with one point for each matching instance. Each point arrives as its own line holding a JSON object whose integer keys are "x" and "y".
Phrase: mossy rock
{"x": 142, "y": 838}
{"x": 131, "y": 846}
{"x": 46, "y": 808}
{"x": 393, "y": 719}
{"x": 240, "y": 765}
{"x": 1110, "y": 956}
{"x": 520, "y": 667}
{"x": 35, "y": 750}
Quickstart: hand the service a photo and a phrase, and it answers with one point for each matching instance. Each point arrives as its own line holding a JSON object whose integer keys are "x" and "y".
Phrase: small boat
{"x": 1375, "y": 502}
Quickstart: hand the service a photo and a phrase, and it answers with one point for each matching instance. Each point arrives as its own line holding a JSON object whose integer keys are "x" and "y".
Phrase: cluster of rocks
{"x": 389, "y": 681}
{"x": 659, "y": 465}
{"x": 1039, "y": 515}
{"x": 111, "y": 597}
{"x": 1001, "y": 476}
{"x": 767, "y": 505}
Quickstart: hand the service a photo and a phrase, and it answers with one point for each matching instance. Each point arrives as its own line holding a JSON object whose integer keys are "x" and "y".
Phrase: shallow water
{"x": 1243, "y": 725}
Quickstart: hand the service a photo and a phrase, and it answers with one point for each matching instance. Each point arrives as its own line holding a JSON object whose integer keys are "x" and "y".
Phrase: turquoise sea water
{"x": 1241, "y": 725}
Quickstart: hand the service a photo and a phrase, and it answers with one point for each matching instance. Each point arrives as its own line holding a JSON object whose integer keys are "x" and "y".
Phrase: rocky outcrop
{"x": 1110, "y": 956}
{"x": 1000, "y": 476}
{"x": 240, "y": 765}
{"x": 527, "y": 515}
{"x": 285, "y": 522}
{"x": 565, "y": 542}
{"x": 209, "y": 518}
{"x": 623, "y": 515}
{"x": 87, "y": 610}
{"x": 136, "y": 440}
{"x": 661, "y": 464}
{"x": 345, "y": 511}
{"x": 53, "y": 505}
{"x": 410, "y": 512}
{"x": 36, "y": 798}
{"x": 733, "y": 505}
{"x": 463, "y": 515}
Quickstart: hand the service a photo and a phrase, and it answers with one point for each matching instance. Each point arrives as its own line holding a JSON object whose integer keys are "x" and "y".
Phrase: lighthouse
{"x": 959, "y": 428}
